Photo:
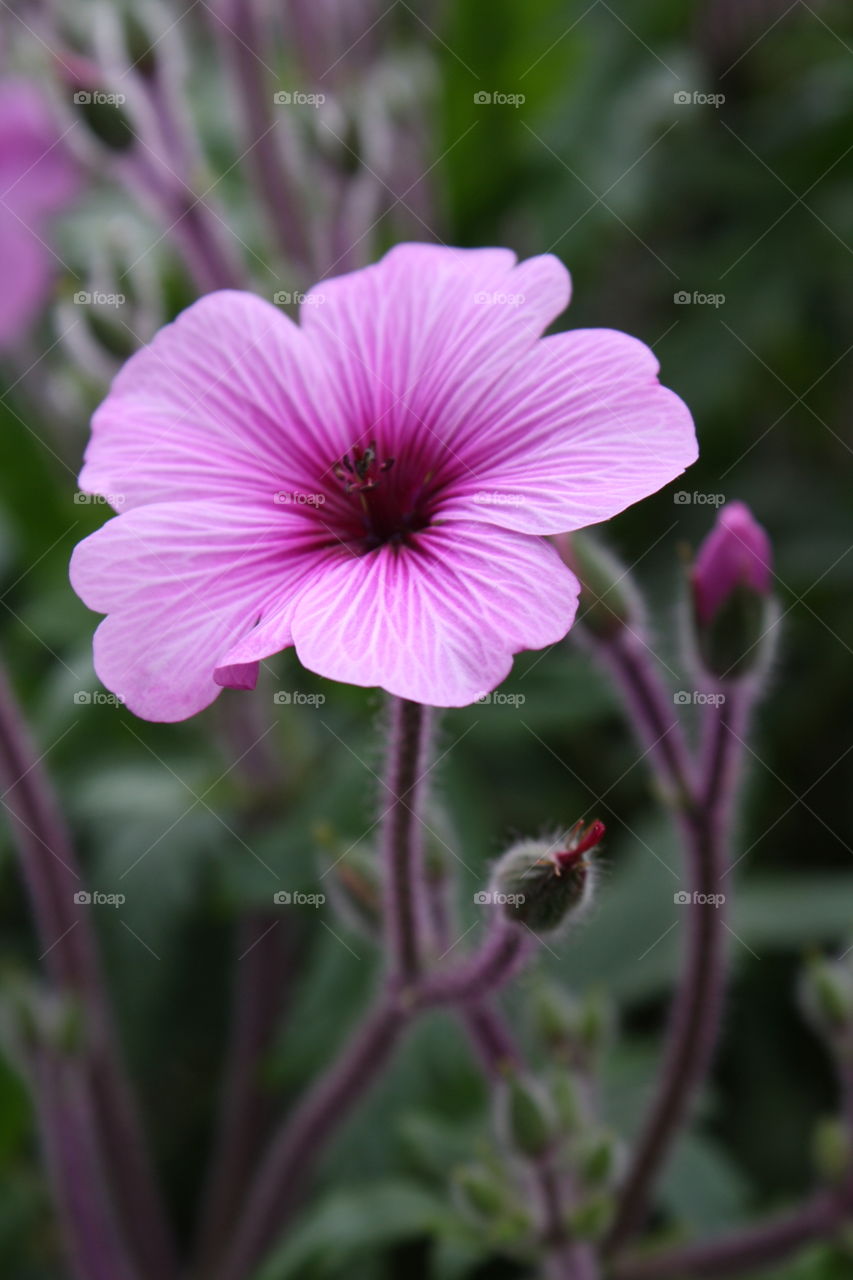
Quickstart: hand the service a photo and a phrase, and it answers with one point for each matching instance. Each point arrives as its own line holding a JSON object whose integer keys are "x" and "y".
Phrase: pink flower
{"x": 372, "y": 487}
{"x": 736, "y": 553}
{"x": 37, "y": 179}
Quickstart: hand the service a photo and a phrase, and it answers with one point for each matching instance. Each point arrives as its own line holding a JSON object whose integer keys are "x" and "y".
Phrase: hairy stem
{"x": 52, "y": 878}
{"x": 275, "y": 1191}
{"x": 400, "y": 840}
{"x": 704, "y": 808}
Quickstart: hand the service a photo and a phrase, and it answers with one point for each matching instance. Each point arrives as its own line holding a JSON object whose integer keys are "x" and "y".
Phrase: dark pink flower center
{"x": 387, "y": 503}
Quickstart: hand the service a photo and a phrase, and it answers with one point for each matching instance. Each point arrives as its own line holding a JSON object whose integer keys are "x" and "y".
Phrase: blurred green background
{"x": 642, "y": 197}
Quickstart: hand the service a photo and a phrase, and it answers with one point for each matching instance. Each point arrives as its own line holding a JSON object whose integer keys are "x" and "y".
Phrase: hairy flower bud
{"x": 529, "y": 1125}
{"x": 731, "y": 584}
{"x": 542, "y": 885}
{"x": 609, "y": 600}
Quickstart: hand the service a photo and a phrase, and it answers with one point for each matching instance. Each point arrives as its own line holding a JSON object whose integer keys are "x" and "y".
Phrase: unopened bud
{"x": 480, "y": 1194}
{"x": 528, "y": 1122}
{"x": 354, "y": 886}
{"x": 598, "y": 1158}
{"x": 609, "y": 600}
{"x": 731, "y": 584}
{"x": 542, "y": 885}
{"x": 590, "y": 1219}
{"x": 827, "y": 995}
{"x": 831, "y": 1150}
{"x": 575, "y": 1029}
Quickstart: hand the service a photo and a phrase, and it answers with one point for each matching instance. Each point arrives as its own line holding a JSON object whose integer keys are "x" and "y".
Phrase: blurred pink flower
{"x": 737, "y": 552}
{"x": 372, "y": 487}
{"x": 38, "y": 178}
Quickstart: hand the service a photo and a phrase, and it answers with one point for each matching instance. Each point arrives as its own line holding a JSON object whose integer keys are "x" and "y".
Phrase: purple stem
{"x": 758, "y": 1246}
{"x": 68, "y": 1128}
{"x": 401, "y": 838}
{"x": 264, "y": 954}
{"x": 276, "y": 1189}
{"x": 243, "y": 44}
{"x": 505, "y": 949}
{"x": 697, "y": 1007}
{"x": 49, "y": 868}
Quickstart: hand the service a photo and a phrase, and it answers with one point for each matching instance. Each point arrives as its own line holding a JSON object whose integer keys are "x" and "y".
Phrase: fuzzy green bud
{"x": 528, "y": 1123}
{"x": 609, "y": 601}
{"x": 541, "y": 885}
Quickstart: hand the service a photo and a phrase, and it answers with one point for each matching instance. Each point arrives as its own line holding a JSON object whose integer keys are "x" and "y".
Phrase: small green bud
{"x": 590, "y": 1219}
{"x": 598, "y": 1158}
{"x": 529, "y": 1124}
{"x": 568, "y": 1106}
{"x": 355, "y": 890}
{"x": 479, "y": 1193}
{"x": 541, "y": 886}
{"x": 609, "y": 601}
{"x": 827, "y": 994}
{"x": 831, "y": 1150}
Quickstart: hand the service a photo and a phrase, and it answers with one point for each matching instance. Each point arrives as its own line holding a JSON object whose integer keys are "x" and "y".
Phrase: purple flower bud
{"x": 736, "y": 553}
{"x": 733, "y": 613}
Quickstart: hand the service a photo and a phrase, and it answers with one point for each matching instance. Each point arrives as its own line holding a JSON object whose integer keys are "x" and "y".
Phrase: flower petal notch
{"x": 373, "y": 486}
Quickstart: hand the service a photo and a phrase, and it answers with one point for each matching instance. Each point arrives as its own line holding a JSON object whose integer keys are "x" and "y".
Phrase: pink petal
{"x": 228, "y": 401}
{"x": 436, "y": 621}
{"x": 416, "y": 338}
{"x": 181, "y": 582}
{"x": 577, "y": 433}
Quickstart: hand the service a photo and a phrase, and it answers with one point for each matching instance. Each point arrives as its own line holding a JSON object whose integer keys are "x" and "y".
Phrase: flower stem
{"x": 400, "y": 840}
{"x": 703, "y": 808}
{"x": 754, "y": 1247}
{"x": 52, "y": 878}
{"x": 68, "y": 1124}
{"x": 275, "y": 1191}
{"x": 503, "y": 952}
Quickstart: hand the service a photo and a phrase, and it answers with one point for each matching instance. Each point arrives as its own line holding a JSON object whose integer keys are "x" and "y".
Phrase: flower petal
{"x": 226, "y": 402}
{"x": 436, "y": 621}
{"x": 576, "y": 434}
{"x": 181, "y": 582}
{"x": 417, "y": 337}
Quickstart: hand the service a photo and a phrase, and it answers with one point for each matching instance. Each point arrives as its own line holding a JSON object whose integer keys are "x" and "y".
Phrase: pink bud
{"x": 736, "y": 553}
